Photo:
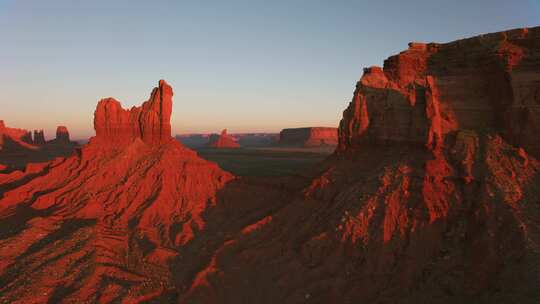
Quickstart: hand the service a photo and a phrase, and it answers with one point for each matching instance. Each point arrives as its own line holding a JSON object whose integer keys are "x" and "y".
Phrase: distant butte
{"x": 309, "y": 137}
{"x": 62, "y": 134}
{"x": 223, "y": 140}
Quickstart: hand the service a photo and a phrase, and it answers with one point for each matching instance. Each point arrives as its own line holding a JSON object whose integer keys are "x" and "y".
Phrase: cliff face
{"x": 429, "y": 92}
{"x": 308, "y": 137}
{"x": 431, "y": 196}
{"x": 150, "y": 122}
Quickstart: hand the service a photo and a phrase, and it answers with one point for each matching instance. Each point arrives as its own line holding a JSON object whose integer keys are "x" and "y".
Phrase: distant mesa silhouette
{"x": 62, "y": 134}
{"x": 309, "y": 137}
{"x": 18, "y": 147}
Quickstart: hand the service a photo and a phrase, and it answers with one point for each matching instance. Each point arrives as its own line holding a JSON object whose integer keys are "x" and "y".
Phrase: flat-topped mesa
{"x": 62, "y": 133}
{"x": 150, "y": 122}
{"x": 308, "y": 137}
{"x": 487, "y": 83}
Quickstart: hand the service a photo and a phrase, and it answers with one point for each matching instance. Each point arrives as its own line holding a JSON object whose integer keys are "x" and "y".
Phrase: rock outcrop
{"x": 222, "y": 140}
{"x": 150, "y": 122}
{"x": 62, "y": 134}
{"x": 431, "y": 91}
{"x": 105, "y": 222}
{"x": 431, "y": 197}
{"x": 39, "y": 138}
{"x": 18, "y": 148}
{"x": 308, "y": 137}
{"x": 13, "y": 138}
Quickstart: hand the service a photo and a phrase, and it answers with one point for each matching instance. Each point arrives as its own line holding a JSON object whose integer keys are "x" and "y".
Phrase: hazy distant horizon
{"x": 247, "y": 66}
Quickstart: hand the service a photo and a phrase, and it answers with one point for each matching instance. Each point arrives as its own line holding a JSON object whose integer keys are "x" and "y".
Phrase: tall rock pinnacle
{"x": 149, "y": 122}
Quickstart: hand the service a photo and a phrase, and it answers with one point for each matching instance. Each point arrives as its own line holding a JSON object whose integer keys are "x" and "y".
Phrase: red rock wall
{"x": 150, "y": 122}
{"x": 489, "y": 82}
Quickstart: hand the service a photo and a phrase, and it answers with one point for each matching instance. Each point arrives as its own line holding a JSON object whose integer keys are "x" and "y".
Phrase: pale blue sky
{"x": 242, "y": 65}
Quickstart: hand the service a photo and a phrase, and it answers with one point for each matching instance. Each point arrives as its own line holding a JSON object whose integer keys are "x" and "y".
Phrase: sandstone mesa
{"x": 308, "y": 137}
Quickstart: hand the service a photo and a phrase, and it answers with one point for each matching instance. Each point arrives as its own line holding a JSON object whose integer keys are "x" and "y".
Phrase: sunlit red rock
{"x": 150, "y": 122}
{"x": 431, "y": 197}
{"x": 432, "y": 90}
{"x": 62, "y": 134}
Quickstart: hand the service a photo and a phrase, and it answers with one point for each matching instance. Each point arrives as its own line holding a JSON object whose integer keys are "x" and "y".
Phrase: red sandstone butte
{"x": 107, "y": 221}
{"x": 308, "y": 137}
{"x": 149, "y": 122}
{"x": 223, "y": 140}
{"x": 62, "y": 134}
{"x": 431, "y": 197}
{"x": 431, "y": 90}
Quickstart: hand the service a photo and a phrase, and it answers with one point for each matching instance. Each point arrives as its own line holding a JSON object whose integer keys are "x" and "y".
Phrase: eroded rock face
{"x": 105, "y": 223}
{"x": 150, "y": 122}
{"x": 223, "y": 140}
{"x": 431, "y": 196}
{"x": 485, "y": 83}
{"x": 308, "y": 137}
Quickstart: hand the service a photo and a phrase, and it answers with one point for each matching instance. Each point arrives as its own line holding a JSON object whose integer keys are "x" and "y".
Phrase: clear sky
{"x": 243, "y": 65}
